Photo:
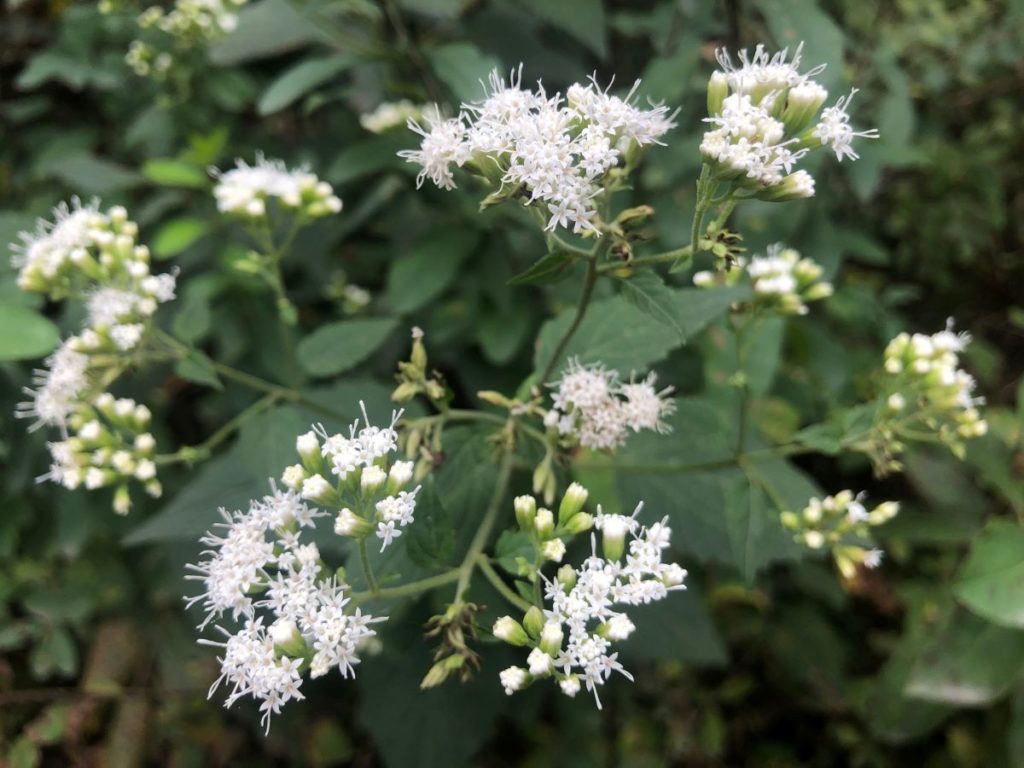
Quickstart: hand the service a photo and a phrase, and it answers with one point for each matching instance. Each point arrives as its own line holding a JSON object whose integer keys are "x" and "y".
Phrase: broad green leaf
{"x": 442, "y": 9}
{"x": 756, "y": 536}
{"x": 581, "y": 19}
{"x": 89, "y": 174}
{"x": 340, "y": 346}
{"x": 428, "y": 268}
{"x": 177, "y": 235}
{"x": 168, "y": 172}
{"x": 430, "y": 540}
{"x": 992, "y": 581}
{"x": 676, "y": 629}
{"x": 300, "y": 80}
{"x": 547, "y": 269}
{"x": 466, "y": 479}
{"x": 24, "y": 333}
{"x": 968, "y": 663}
{"x": 370, "y": 156}
{"x": 197, "y": 368}
{"x": 53, "y": 65}
{"x": 70, "y": 602}
{"x": 266, "y": 28}
{"x": 55, "y": 654}
{"x": 502, "y": 333}
{"x": 463, "y": 68}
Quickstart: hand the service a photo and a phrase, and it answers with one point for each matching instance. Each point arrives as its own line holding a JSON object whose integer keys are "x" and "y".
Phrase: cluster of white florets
{"x": 843, "y": 524}
{"x": 188, "y": 23}
{"x": 259, "y": 569}
{"x": 353, "y": 476}
{"x": 593, "y": 407}
{"x": 91, "y": 255}
{"x": 782, "y": 281}
{"x": 552, "y": 151}
{"x": 762, "y": 112}
{"x": 109, "y": 445}
{"x": 246, "y": 189}
{"x": 391, "y": 114}
{"x": 926, "y": 381}
{"x": 572, "y": 643}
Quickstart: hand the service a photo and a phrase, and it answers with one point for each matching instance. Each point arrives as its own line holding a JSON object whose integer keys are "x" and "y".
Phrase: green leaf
{"x": 86, "y": 173}
{"x": 55, "y": 654}
{"x": 300, "y": 80}
{"x": 428, "y": 268}
{"x": 266, "y": 28}
{"x": 168, "y": 172}
{"x": 647, "y": 292}
{"x": 24, "y": 333}
{"x": 676, "y": 629}
{"x": 992, "y": 581}
{"x": 756, "y": 535}
{"x": 968, "y": 663}
{"x": 177, "y": 235}
{"x": 502, "y": 333}
{"x": 462, "y": 67}
{"x": 792, "y": 22}
{"x": 430, "y": 540}
{"x": 71, "y": 603}
{"x": 198, "y": 368}
{"x": 369, "y": 156}
{"x": 467, "y": 477}
{"x": 547, "y": 269}
{"x": 340, "y": 346}
{"x": 581, "y": 19}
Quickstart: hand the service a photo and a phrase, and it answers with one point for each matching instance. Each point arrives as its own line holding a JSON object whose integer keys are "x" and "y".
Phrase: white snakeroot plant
{"x": 555, "y": 153}
{"x": 573, "y": 642}
{"x": 591, "y": 406}
{"x": 292, "y": 614}
{"x": 188, "y": 24}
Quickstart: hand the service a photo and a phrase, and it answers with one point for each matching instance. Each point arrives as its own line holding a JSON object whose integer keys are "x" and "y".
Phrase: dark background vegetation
{"x": 99, "y": 664}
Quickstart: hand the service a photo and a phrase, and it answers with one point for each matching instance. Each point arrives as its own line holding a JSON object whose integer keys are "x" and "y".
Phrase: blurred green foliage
{"x": 765, "y": 661}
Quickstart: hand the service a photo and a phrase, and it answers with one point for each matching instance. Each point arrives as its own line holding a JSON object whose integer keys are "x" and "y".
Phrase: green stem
{"x": 700, "y": 209}
{"x": 410, "y": 589}
{"x": 658, "y": 258}
{"x": 739, "y": 329}
{"x": 191, "y": 453}
{"x": 503, "y": 589}
{"x": 476, "y": 547}
{"x": 364, "y": 558}
{"x": 459, "y": 414}
{"x": 581, "y": 309}
{"x": 724, "y": 214}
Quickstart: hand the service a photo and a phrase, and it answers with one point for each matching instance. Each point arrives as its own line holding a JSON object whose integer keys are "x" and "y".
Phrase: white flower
{"x": 834, "y": 129}
{"x": 59, "y": 388}
{"x": 513, "y": 679}
{"x": 540, "y": 663}
{"x": 245, "y": 189}
{"x": 646, "y": 407}
{"x": 553, "y": 550}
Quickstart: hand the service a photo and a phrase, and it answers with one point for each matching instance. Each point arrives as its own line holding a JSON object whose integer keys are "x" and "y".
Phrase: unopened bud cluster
{"x": 353, "y": 476}
{"x": 413, "y": 377}
{"x": 552, "y": 152}
{"x": 841, "y": 524}
{"x": 764, "y": 117}
{"x": 109, "y": 446}
{"x": 783, "y": 282}
{"x": 92, "y": 256}
{"x": 171, "y": 33}
{"x": 571, "y": 641}
{"x": 547, "y": 530}
{"x": 593, "y": 408}
{"x": 246, "y": 190}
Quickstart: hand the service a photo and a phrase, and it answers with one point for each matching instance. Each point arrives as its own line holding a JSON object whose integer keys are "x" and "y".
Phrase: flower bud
{"x": 316, "y": 488}
{"x": 514, "y": 679}
{"x": 399, "y": 476}
{"x": 553, "y": 550}
{"x": 884, "y": 512}
{"x": 566, "y": 577}
{"x": 122, "y": 500}
{"x": 533, "y": 621}
{"x": 541, "y": 664}
{"x": 286, "y": 638}
{"x": 526, "y": 511}
{"x": 572, "y": 502}
{"x": 544, "y": 522}
{"x": 511, "y": 631}
{"x": 570, "y": 685}
{"x": 718, "y": 89}
{"x": 674, "y": 576}
{"x": 308, "y": 447}
{"x": 617, "y": 628}
{"x": 613, "y": 537}
{"x": 372, "y": 479}
{"x": 348, "y": 523}
{"x": 580, "y": 522}
{"x": 551, "y": 637}
{"x": 802, "y": 103}
{"x": 293, "y": 476}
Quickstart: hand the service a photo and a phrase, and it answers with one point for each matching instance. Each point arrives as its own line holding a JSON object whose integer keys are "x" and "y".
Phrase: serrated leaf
{"x": 648, "y": 293}
{"x": 24, "y": 333}
{"x": 430, "y": 539}
{"x": 198, "y": 368}
{"x": 428, "y": 268}
{"x": 547, "y": 269}
{"x": 340, "y": 346}
{"x": 300, "y": 80}
{"x": 992, "y": 581}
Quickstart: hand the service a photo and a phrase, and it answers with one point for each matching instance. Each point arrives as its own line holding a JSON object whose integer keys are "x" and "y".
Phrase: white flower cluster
{"x": 783, "y": 281}
{"x": 928, "y": 382}
{"x": 111, "y": 445}
{"x": 351, "y": 474}
{"x": 593, "y": 407}
{"x": 547, "y": 532}
{"x": 391, "y": 114}
{"x": 573, "y": 643}
{"x": 189, "y": 23}
{"x": 762, "y": 114}
{"x": 94, "y": 256}
{"x": 555, "y": 152}
{"x": 259, "y": 569}
{"x": 843, "y": 524}
{"x": 245, "y": 189}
